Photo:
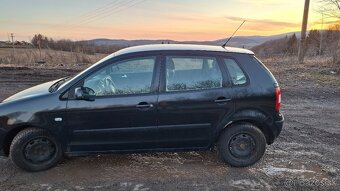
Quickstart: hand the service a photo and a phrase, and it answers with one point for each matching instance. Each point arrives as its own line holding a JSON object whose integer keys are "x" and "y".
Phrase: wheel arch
{"x": 12, "y": 133}
{"x": 252, "y": 116}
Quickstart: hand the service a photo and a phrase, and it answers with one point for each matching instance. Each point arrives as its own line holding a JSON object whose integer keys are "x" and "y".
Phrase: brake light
{"x": 277, "y": 98}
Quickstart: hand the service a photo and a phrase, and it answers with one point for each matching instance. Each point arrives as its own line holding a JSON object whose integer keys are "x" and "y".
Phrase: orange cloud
{"x": 265, "y": 22}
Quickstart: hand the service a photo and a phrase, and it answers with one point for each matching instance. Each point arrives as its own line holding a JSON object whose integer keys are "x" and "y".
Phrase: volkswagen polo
{"x": 147, "y": 99}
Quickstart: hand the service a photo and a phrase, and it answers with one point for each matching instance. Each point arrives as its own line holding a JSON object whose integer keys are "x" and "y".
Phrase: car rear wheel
{"x": 35, "y": 150}
{"x": 241, "y": 145}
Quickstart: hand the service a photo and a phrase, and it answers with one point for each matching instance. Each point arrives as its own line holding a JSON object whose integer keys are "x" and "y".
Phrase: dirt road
{"x": 305, "y": 157}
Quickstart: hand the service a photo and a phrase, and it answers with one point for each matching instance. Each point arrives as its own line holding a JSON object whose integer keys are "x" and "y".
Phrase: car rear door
{"x": 125, "y": 119}
{"x": 194, "y": 97}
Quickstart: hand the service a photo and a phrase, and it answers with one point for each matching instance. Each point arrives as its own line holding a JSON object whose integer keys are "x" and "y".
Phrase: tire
{"x": 241, "y": 145}
{"x": 35, "y": 150}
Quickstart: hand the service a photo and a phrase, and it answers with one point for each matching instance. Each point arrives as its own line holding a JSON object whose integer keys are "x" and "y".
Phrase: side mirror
{"x": 81, "y": 94}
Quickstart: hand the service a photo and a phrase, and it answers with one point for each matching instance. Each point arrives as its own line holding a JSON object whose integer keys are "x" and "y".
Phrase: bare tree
{"x": 331, "y": 8}
{"x": 333, "y": 43}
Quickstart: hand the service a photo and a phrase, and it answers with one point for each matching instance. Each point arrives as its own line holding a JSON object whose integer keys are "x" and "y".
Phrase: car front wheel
{"x": 35, "y": 150}
{"x": 241, "y": 145}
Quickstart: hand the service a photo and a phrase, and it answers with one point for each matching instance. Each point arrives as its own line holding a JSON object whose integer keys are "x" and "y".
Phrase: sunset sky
{"x": 152, "y": 19}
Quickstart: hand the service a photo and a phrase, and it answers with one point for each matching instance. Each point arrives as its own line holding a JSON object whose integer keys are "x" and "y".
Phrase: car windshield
{"x": 57, "y": 84}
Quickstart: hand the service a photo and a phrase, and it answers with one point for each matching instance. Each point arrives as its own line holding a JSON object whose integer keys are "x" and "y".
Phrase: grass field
{"x": 54, "y": 59}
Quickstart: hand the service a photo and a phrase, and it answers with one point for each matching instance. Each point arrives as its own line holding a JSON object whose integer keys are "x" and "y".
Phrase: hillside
{"x": 237, "y": 41}
{"x": 324, "y": 42}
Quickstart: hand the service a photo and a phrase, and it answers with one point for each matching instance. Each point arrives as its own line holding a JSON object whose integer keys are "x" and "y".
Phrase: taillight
{"x": 277, "y": 98}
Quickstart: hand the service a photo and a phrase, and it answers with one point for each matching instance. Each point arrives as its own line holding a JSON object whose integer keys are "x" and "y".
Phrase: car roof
{"x": 183, "y": 47}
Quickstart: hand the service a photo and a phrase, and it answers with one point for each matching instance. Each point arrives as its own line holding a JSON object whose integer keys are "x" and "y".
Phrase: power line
{"x": 114, "y": 10}
{"x": 94, "y": 13}
{"x": 101, "y": 10}
{"x": 129, "y": 6}
{"x": 107, "y": 10}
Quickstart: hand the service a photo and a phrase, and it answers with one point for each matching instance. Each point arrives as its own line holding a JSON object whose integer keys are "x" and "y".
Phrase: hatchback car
{"x": 147, "y": 99}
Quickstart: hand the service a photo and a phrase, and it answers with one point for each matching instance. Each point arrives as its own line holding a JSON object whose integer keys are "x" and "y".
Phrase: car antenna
{"x": 225, "y": 44}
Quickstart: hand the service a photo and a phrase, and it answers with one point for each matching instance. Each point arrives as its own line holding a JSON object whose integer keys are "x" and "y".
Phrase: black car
{"x": 147, "y": 99}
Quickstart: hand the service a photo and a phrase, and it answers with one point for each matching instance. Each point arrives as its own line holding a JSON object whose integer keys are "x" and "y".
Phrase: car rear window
{"x": 235, "y": 72}
{"x": 258, "y": 61}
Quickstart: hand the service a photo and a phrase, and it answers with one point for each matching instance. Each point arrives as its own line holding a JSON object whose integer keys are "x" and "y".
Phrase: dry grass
{"x": 318, "y": 68}
{"x": 329, "y": 79}
{"x": 54, "y": 59}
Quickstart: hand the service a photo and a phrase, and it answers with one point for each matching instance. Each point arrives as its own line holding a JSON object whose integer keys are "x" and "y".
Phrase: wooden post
{"x": 302, "y": 47}
{"x": 12, "y": 36}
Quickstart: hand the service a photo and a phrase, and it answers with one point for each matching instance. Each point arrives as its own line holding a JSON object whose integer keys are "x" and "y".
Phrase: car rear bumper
{"x": 276, "y": 128}
{"x": 2, "y": 154}
{"x": 2, "y": 138}
{"x": 279, "y": 125}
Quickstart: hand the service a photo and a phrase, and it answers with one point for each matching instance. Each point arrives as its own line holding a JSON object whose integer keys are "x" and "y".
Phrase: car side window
{"x": 132, "y": 76}
{"x": 235, "y": 72}
{"x": 192, "y": 73}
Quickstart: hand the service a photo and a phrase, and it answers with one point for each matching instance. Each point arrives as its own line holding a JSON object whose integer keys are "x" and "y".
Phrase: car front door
{"x": 194, "y": 98}
{"x": 123, "y": 114}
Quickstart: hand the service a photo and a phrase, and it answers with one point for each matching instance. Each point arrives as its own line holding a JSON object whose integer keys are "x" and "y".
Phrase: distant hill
{"x": 238, "y": 41}
{"x": 251, "y": 41}
{"x": 123, "y": 42}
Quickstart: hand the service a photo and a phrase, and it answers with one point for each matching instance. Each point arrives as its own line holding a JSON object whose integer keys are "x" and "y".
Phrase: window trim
{"x": 162, "y": 86}
{"x": 154, "y": 80}
{"x": 227, "y": 70}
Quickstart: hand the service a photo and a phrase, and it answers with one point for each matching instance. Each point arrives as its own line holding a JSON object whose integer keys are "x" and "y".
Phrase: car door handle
{"x": 222, "y": 100}
{"x": 142, "y": 105}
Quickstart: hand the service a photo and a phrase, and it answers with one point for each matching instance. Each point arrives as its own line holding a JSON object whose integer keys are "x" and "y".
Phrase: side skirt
{"x": 89, "y": 153}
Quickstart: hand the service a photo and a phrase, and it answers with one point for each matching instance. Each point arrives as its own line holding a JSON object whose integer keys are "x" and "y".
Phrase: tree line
{"x": 43, "y": 42}
{"x": 325, "y": 42}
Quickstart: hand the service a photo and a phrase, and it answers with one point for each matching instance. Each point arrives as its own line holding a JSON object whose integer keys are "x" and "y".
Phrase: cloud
{"x": 192, "y": 18}
{"x": 264, "y": 2}
{"x": 264, "y": 22}
{"x": 325, "y": 22}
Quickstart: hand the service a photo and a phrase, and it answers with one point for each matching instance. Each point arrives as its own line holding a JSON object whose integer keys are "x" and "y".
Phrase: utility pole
{"x": 302, "y": 47}
{"x": 320, "y": 48}
{"x": 39, "y": 45}
{"x": 12, "y": 36}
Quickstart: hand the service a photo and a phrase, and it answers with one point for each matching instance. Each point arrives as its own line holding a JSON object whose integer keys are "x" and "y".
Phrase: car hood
{"x": 31, "y": 92}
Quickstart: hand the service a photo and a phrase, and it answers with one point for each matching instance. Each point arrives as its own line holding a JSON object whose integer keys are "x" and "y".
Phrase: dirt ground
{"x": 305, "y": 157}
